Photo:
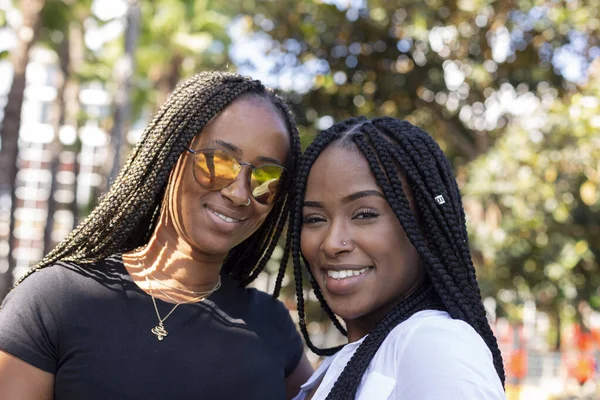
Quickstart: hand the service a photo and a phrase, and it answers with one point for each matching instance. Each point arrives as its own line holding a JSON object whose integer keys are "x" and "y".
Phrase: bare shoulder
{"x": 22, "y": 381}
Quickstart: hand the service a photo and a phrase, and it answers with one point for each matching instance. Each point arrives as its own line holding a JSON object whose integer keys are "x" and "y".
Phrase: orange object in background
{"x": 516, "y": 364}
{"x": 584, "y": 340}
{"x": 596, "y": 336}
{"x": 583, "y": 368}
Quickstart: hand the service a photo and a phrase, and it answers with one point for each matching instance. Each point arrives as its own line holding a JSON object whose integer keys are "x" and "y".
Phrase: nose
{"x": 239, "y": 190}
{"x": 337, "y": 241}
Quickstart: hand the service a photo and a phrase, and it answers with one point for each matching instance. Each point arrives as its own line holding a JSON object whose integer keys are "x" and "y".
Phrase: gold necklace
{"x": 159, "y": 330}
{"x": 204, "y": 293}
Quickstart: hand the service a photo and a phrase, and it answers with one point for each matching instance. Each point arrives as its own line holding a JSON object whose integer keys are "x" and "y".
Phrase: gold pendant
{"x": 160, "y": 331}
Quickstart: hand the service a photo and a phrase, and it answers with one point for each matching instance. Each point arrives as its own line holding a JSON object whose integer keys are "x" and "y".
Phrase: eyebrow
{"x": 230, "y": 146}
{"x": 233, "y": 148}
{"x": 347, "y": 199}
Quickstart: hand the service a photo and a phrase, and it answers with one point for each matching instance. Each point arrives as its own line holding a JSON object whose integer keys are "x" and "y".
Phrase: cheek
{"x": 307, "y": 244}
{"x": 393, "y": 250}
{"x": 260, "y": 218}
{"x": 257, "y": 218}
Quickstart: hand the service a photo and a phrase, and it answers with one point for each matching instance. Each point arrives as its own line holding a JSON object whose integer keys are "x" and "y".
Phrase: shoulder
{"x": 267, "y": 317}
{"x": 248, "y": 299}
{"x": 446, "y": 353}
{"x": 435, "y": 334}
{"x": 256, "y": 307}
{"x": 267, "y": 304}
{"x": 433, "y": 326}
{"x": 58, "y": 280}
{"x": 46, "y": 280}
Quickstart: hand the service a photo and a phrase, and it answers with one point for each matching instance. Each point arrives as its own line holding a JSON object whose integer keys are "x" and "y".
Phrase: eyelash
{"x": 311, "y": 219}
{"x": 361, "y": 215}
{"x": 366, "y": 214}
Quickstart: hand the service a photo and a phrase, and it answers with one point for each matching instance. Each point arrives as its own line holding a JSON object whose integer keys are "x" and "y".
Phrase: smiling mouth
{"x": 346, "y": 273}
{"x": 224, "y": 217}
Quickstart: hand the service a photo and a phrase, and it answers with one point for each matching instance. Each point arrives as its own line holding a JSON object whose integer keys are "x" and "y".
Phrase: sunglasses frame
{"x": 241, "y": 164}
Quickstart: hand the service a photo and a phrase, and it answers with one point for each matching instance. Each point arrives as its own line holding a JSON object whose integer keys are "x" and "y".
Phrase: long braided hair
{"x": 438, "y": 232}
{"x": 126, "y": 216}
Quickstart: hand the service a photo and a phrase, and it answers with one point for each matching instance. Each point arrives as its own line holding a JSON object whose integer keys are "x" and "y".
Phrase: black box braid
{"x": 438, "y": 232}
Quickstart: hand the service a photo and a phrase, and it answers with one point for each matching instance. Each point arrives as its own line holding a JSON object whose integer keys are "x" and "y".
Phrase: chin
{"x": 345, "y": 313}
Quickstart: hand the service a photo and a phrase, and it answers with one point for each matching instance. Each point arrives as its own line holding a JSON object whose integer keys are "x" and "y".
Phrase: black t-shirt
{"x": 91, "y": 327}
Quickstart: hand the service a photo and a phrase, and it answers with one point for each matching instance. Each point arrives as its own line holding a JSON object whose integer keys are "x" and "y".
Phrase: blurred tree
{"x": 3, "y": 53}
{"x": 73, "y": 120}
{"x": 123, "y": 79}
{"x": 534, "y": 208}
{"x": 179, "y": 39}
{"x": 496, "y": 84}
{"x": 27, "y": 35}
{"x": 435, "y": 63}
{"x": 62, "y": 31}
{"x": 176, "y": 40}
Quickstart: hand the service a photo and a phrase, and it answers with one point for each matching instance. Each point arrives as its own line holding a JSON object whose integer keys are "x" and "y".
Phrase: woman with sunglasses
{"x": 147, "y": 297}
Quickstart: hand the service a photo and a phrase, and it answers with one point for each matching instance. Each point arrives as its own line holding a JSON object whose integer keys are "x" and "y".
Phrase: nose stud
{"x": 344, "y": 243}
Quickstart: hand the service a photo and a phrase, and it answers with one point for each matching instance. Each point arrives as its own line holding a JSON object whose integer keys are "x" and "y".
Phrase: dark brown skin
{"x": 350, "y": 226}
{"x": 22, "y": 381}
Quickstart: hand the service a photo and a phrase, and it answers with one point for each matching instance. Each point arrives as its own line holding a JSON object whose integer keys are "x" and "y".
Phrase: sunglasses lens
{"x": 215, "y": 170}
{"x": 265, "y": 182}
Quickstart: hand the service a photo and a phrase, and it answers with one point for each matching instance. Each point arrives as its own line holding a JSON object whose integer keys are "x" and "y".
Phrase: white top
{"x": 429, "y": 356}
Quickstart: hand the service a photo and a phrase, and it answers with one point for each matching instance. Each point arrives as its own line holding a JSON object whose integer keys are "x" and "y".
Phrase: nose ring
{"x": 248, "y": 203}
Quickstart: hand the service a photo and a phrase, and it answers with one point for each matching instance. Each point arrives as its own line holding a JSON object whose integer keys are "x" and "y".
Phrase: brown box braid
{"x": 127, "y": 214}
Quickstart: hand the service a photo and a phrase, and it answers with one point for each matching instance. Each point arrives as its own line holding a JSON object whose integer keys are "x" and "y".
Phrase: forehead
{"x": 338, "y": 172}
{"x": 253, "y": 125}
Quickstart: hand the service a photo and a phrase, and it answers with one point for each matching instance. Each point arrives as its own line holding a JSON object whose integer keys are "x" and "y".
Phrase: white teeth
{"x": 345, "y": 273}
{"x": 224, "y": 217}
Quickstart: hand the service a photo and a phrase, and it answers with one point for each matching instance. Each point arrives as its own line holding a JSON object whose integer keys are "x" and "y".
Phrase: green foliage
{"x": 534, "y": 206}
{"x": 178, "y": 39}
{"x": 396, "y": 61}
{"x": 55, "y": 15}
{"x": 497, "y": 84}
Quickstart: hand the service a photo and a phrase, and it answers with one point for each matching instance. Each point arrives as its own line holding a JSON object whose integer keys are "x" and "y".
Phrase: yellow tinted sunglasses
{"x": 216, "y": 169}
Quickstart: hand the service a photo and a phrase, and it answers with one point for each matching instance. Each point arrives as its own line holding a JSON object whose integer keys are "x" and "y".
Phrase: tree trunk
{"x": 74, "y": 205}
{"x": 124, "y": 76}
{"x": 58, "y": 120}
{"x": 558, "y": 340}
{"x": 169, "y": 77}
{"x": 11, "y": 125}
{"x": 71, "y": 57}
{"x": 76, "y": 59}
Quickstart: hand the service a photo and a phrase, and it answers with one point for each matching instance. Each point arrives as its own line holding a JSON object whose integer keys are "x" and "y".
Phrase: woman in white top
{"x": 379, "y": 222}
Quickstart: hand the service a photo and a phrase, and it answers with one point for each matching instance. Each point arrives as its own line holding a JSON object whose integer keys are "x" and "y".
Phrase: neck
{"x": 184, "y": 268}
{"x": 359, "y": 328}
{"x": 171, "y": 259}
